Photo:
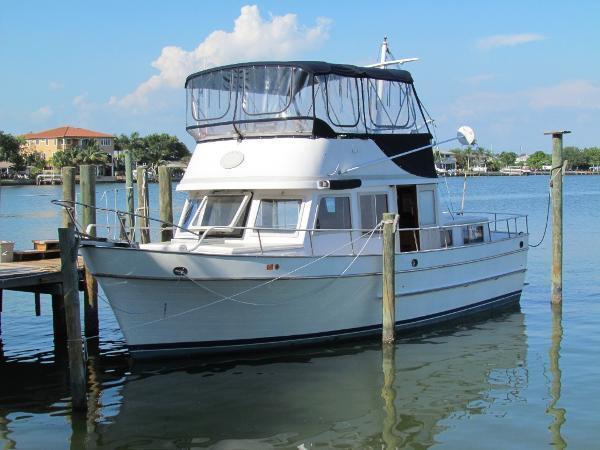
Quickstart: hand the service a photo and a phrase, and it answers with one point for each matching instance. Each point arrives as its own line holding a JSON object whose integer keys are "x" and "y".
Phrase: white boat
{"x": 516, "y": 170}
{"x": 279, "y": 241}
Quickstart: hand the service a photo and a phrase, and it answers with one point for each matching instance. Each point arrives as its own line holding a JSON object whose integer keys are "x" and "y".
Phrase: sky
{"x": 510, "y": 69}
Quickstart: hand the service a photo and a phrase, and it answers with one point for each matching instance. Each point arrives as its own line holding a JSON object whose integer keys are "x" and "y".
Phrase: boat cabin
{"x": 305, "y": 157}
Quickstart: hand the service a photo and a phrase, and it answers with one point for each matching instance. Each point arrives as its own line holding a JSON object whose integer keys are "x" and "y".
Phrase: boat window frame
{"x": 223, "y": 230}
{"x": 359, "y": 101}
{"x": 241, "y": 81}
{"x": 288, "y": 231}
{"x": 372, "y": 194}
{"x": 209, "y": 120}
{"x": 318, "y": 208}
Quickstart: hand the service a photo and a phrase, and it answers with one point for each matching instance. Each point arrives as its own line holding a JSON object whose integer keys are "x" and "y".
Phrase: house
{"x": 445, "y": 162}
{"x": 6, "y": 168}
{"x": 50, "y": 141}
{"x": 522, "y": 159}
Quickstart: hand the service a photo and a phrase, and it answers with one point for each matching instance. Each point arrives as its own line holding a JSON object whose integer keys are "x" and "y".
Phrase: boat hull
{"x": 229, "y": 303}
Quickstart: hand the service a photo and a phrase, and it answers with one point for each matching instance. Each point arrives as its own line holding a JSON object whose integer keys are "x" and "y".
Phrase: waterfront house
{"x": 445, "y": 162}
{"x": 49, "y": 142}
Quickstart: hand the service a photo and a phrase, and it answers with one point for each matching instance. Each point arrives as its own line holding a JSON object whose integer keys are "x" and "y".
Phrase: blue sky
{"x": 510, "y": 69}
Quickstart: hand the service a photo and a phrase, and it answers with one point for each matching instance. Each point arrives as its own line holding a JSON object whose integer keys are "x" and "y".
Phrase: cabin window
{"x": 473, "y": 234}
{"x": 282, "y": 214}
{"x": 210, "y": 96}
{"x": 222, "y": 211}
{"x": 446, "y": 237}
{"x": 334, "y": 214}
{"x": 267, "y": 90}
{"x": 342, "y": 101}
{"x": 391, "y": 105}
{"x": 372, "y": 207}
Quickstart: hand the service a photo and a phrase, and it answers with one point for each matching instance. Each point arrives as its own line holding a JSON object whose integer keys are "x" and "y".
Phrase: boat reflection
{"x": 338, "y": 397}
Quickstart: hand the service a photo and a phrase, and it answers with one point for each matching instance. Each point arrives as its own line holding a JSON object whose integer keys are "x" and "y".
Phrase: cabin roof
{"x": 322, "y": 68}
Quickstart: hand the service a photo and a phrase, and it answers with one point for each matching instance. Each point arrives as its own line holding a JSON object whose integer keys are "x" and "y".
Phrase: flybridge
{"x": 304, "y": 98}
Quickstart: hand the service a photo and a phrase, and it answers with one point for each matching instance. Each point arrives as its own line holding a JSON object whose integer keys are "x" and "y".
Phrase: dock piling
{"x": 38, "y": 303}
{"x": 68, "y": 256}
{"x": 88, "y": 197}
{"x": 389, "y": 283}
{"x": 556, "y": 180}
{"x": 143, "y": 204}
{"x": 129, "y": 194}
{"x": 165, "y": 202}
{"x": 68, "y": 188}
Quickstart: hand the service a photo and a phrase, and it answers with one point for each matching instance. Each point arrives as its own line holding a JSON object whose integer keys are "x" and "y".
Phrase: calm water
{"x": 525, "y": 379}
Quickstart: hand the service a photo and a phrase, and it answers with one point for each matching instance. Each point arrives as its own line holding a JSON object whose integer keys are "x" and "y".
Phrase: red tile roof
{"x": 67, "y": 132}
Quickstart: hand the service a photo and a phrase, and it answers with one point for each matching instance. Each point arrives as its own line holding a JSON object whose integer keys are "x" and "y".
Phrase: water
{"x": 525, "y": 379}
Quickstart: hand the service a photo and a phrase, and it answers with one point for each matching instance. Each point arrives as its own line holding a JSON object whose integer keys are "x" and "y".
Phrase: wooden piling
{"x": 556, "y": 180}
{"x": 389, "y": 283}
{"x": 88, "y": 197}
{"x": 143, "y": 204}
{"x": 129, "y": 194}
{"x": 58, "y": 317}
{"x": 68, "y": 256}
{"x": 68, "y": 188}
{"x": 165, "y": 201}
{"x": 38, "y": 304}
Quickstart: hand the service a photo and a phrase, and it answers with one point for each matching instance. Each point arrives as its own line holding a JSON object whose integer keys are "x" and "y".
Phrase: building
{"x": 50, "y": 141}
{"x": 445, "y": 162}
{"x": 522, "y": 159}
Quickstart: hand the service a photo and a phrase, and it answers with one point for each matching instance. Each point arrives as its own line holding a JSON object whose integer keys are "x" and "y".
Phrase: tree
{"x": 575, "y": 157}
{"x": 507, "y": 158}
{"x": 592, "y": 156}
{"x": 539, "y": 159}
{"x": 64, "y": 158}
{"x": 10, "y": 150}
{"x": 90, "y": 153}
{"x": 153, "y": 149}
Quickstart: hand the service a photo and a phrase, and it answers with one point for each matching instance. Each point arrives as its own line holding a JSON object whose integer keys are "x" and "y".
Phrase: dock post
{"x": 166, "y": 203}
{"x": 68, "y": 256}
{"x": 389, "y": 283}
{"x": 68, "y": 188}
{"x": 143, "y": 204}
{"x": 58, "y": 317}
{"x": 556, "y": 183}
{"x": 88, "y": 197}
{"x": 129, "y": 194}
{"x": 38, "y": 304}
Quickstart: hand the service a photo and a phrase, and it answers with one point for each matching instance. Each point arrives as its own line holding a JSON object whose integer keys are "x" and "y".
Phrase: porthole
{"x": 414, "y": 263}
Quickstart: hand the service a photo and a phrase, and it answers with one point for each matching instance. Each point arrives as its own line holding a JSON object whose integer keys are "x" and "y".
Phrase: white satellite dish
{"x": 465, "y": 135}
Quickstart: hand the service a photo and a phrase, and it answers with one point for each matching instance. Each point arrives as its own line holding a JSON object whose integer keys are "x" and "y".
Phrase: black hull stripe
{"x": 512, "y": 297}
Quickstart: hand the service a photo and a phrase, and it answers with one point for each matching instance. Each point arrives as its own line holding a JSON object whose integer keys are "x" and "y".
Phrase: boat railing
{"x": 499, "y": 226}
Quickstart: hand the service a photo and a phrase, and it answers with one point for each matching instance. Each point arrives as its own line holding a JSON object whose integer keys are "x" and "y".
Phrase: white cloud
{"x": 579, "y": 94}
{"x": 508, "y": 40}
{"x": 252, "y": 38}
{"x": 55, "y": 85}
{"x": 42, "y": 113}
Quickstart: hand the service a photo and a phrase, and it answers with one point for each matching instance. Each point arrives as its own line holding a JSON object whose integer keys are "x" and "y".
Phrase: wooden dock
{"x": 39, "y": 277}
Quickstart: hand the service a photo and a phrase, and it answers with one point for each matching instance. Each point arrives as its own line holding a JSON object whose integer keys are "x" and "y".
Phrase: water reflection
{"x": 338, "y": 397}
{"x": 555, "y": 386}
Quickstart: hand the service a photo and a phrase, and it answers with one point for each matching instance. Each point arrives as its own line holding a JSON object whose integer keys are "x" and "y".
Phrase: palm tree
{"x": 90, "y": 153}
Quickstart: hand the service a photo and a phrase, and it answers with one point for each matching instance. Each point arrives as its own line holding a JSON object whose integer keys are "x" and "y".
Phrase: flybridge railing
{"x": 501, "y": 226}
